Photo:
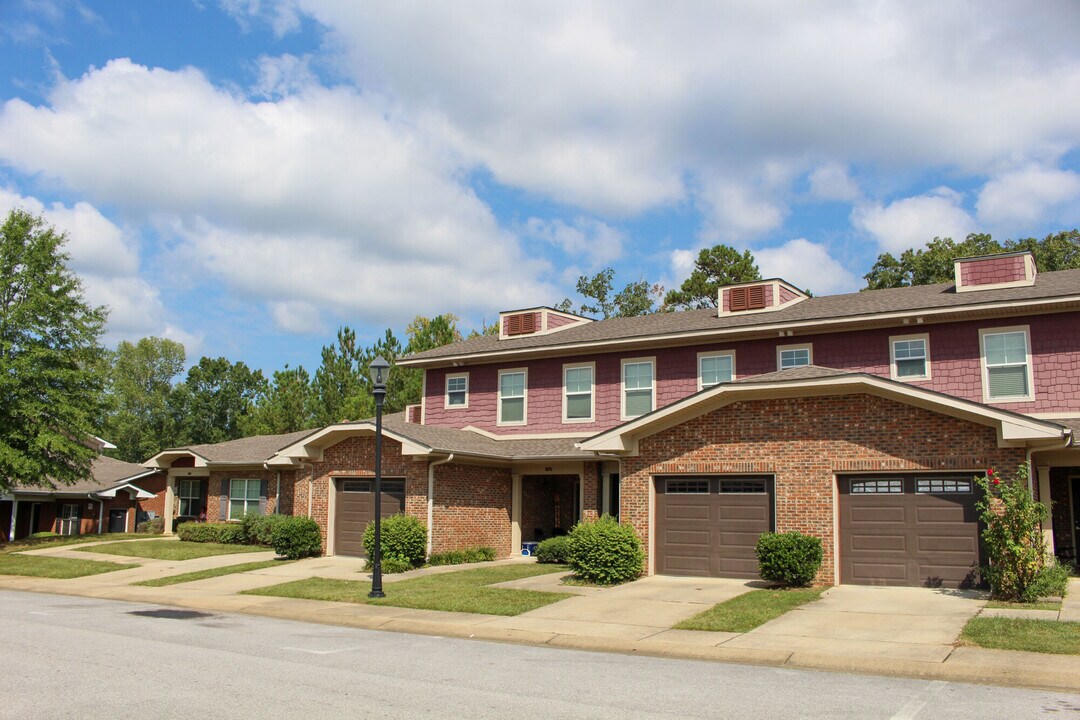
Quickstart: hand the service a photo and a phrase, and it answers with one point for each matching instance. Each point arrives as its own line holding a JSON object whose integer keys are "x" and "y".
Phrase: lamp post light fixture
{"x": 379, "y": 370}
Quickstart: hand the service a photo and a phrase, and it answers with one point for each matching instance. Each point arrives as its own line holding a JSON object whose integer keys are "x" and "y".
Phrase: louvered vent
{"x": 521, "y": 324}
{"x": 746, "y": 298}
{"x": 412, "y": 414}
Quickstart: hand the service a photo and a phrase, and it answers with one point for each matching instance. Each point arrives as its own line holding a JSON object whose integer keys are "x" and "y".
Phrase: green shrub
{"x": 1012, "y": 535}
{"x": 259, "y": 529}
{"x": 403, "y": 536}
{"x": 461, "y": 557}
{"x": 553, "y": 550}
{"x": 791, "y": 557}
{"x": 153, "y": 527}
{"x": 1052, "y": 581}
{"x": 232, "y": 534}
{"x": 297, "y": 537}
{"x": 394, "y": 564}
{"x": 605, "y": 552}
{"x": 200, "y": 532}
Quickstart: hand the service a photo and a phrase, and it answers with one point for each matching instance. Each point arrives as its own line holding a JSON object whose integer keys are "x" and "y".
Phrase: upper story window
{"x": 1006, "y": 364}
{"x": 512, "y": 397}
{"x": 715, "y": 368}
{"x": 638, "y": 387}
{"x": 457, "y": 391}
{"x": 910, "y": 356}
{"x": 793, "y": 356}
{"x": 578, "y": 393}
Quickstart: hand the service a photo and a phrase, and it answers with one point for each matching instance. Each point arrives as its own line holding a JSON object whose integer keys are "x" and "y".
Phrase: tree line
{"x": 59, "y": 386}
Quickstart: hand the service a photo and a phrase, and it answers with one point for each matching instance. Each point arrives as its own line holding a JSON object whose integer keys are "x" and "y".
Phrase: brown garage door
{"x": 355, "y": 508}
{"x": 709, "y": 526}
{"x": 909, "y": 530}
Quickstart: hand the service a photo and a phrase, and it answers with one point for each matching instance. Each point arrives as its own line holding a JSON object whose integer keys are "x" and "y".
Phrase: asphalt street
{"x": 69, "y": 657}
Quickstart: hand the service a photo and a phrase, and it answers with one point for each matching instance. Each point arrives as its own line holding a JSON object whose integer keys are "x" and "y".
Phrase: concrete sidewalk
{"x": 907, "y": 632}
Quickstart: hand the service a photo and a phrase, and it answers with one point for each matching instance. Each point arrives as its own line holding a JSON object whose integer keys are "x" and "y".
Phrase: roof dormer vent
{"x": 990, "y": 272}
{"x": 757, "y": 296}
{"x": 535, "y": 321}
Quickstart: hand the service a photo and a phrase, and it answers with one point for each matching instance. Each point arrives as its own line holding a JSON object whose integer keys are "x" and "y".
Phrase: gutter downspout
{"x": 1031, "y": 451}
{"x": 431, "y": 499}
{"x": 310, "y": 486}
{"x": 101, "y": 511}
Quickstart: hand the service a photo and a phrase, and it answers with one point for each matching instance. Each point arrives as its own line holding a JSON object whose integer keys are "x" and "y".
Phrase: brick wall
{"x": 805, "y": 443}
{"x": 954, "y": 354}
{"x": 218, "y": 486}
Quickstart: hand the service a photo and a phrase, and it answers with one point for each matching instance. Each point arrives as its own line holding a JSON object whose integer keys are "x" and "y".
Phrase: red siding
{"x": 554, "y": 321}
{"x": 992, "y": 270}
{"x": 954, "y": 354}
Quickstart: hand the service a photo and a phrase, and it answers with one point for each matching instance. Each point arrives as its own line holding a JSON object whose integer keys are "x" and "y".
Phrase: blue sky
{"x": 247, "y": 175}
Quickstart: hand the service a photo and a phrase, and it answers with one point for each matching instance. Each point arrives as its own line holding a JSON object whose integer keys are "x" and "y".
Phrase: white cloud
{"x": 283, "y": 75}
{"x": 832, "y": 182}
{"x": 1016, "y": 200}
{"x": 297, "y": 317}
{"x": 734, "y": 211}
{"x": 912, "y": 222}
{"x": 806, "y": 265}
{"x": 597, "y": 241}
{"x": 106, "y": 258}
{"x": 682, "y": 264}
{"x": 325, "y": 196}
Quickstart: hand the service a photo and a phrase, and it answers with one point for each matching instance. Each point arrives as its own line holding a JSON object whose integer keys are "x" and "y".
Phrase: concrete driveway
{"x": 898, "y": 622}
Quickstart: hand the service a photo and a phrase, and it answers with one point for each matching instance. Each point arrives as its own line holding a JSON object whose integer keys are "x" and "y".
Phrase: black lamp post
{"x": 379, "y": 371}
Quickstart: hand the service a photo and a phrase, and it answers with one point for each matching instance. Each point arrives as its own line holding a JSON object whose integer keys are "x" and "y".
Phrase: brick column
{"x": 590, "y": 491}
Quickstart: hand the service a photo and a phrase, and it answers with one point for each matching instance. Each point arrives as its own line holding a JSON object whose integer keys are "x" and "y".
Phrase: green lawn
{"x": 157, "y": 550}
{"x": 62, "y": 540}
{"x": 748, "y": 611}
{"x": 1042, "y": 636}
{"x": 1040, "y": 605}
{"x": 50, "y": 567}
{"x": 213, "y": 572}
{"x": 459, "y": 591}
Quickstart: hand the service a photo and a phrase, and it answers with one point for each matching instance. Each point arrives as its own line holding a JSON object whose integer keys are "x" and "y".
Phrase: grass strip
{"x": 748, "y": 611}
{"x": 460, "y": 591}
{"x": 1040, "y": 605}
{"x": 157, "y": 550}
{"x": 1041, "y": 636}
{"x": 62, "y": 540}
{"x": 213, "y": 572}
{"x": 58, "y": 568}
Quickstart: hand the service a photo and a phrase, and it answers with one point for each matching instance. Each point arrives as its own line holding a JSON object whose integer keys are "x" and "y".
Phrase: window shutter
{"x": 262, "y": 496}
{"x": 755, "y": 297}
{"x": 223, "y": 513}
{"x": 738, "y": 299}
{"x": 528, "y": 323}
{"x": 513, "y": 325}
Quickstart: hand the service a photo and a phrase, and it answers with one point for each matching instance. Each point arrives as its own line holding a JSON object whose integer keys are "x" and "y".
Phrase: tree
{"x": 214, "y": 398}
{"x": 636, "y": 298}
{"x": 339, "y": 386}
{"x": 287, "y": 405}
{"x": 50, "y": 380}
{"x": 934, "y": 263}
{"x": 143, "y": 416}
{"x": 715, "y": 267}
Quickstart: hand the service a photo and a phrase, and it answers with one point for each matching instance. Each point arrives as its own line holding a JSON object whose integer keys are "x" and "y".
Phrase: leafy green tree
{"x": 143, "y": 416}
{"x": 636, "y": 298}
{"x": 50, "y": 379}
{"x": 214, "y": 398}
{"x": 339, "y": 385}
{"x": 287, "y": 405}
{"x": 934, "y": 263}
{"x": 715, "y": 267}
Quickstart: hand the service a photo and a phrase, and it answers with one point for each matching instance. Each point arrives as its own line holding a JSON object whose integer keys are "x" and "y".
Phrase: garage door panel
{"x": 904, "y": 537}
{"x": 714, "y": 533}
{"x": 354, "y": 509}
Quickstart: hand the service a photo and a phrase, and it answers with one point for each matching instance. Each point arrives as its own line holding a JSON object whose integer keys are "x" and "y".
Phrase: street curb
{"x": 974, "y": 665}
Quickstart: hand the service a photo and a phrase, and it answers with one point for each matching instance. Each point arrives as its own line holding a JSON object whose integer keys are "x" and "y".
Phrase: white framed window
{"x": 457, "y": 391}
{"x": 715, "y": 368}
{"x": 909, "y": 357}
{"x": 638, "y": 387}
{"x": 190, "y": 494}
{"x": 793, "y": 356}
{"x": 244, "y": 497}
{"x": 1006, "y": 364}
{"x": 513, "y": 403}
{"x": 578, "y": 394}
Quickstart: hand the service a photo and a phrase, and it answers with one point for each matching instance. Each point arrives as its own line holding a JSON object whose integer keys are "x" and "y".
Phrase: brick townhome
{"x": 859, "y": 418}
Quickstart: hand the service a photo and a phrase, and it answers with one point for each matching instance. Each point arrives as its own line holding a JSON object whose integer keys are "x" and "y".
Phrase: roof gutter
{"x": 431, "y": 499}
{"x": 1067, "y": 432}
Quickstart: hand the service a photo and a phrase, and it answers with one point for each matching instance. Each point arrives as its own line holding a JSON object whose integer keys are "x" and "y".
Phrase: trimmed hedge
{"x": 153, "y": 527}
{"x": 296, "y": 537}
{"x": 463, "y": 556}
{"x": 403, "y": 537}
{"x": 210, "y": 533}
{"x": 605, "y": 552}
{"x": 791, "y": 557}
{"x": 553, "y": 550}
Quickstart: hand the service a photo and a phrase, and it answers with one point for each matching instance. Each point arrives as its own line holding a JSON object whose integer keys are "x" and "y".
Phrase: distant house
{"x": 859, "y": 418}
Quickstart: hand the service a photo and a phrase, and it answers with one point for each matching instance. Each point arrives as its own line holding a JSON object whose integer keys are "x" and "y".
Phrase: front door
{"x": 1076, "y": 516}
{"x": 117, "y": 520}
{"x": 35, "y": 518}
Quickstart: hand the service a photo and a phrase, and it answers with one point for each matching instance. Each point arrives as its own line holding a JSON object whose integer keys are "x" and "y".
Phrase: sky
{"x": 246, "y": 176}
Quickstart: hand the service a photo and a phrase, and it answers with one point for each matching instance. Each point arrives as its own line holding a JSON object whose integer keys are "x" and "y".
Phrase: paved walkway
{"x": 908, "y": 632}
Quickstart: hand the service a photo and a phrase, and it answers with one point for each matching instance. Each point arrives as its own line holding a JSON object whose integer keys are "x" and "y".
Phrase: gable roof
{"x": 253, "y": 450}
{"x": 1012, "y": 428}
{"x": 423, "y": 440}
{"x": 105, "y": 473}
{"x": 1052, "y": 290}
